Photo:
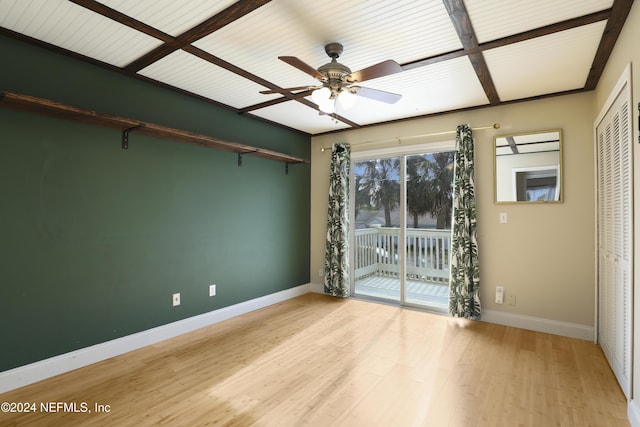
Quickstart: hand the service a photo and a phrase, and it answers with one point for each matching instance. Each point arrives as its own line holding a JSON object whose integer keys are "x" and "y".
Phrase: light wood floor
{"x": 320, "y": 361}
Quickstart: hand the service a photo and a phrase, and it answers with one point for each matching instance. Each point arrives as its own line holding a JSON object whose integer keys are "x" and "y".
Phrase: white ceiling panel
{"x": 370, "y": 31}
{"x": 419, "y": 35}
{"x": 442, "y": 86}
{"x": 69, "y": 26}
{"x": 495, "y": 19}
{"x": 298, "y": 116}
{"x": 188, "y": 72}
{"x": 170, "y": 16}
{"x": 549, "y": 64}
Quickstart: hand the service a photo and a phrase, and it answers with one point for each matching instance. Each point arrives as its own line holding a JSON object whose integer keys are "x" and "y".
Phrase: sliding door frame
{"x": 392, "y": 152}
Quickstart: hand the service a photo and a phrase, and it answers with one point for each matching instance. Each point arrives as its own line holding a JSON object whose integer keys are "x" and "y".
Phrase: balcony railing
{"x": 427, "y": 257}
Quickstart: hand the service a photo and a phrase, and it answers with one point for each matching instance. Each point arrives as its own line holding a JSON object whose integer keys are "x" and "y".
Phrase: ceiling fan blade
{"x": 284, "y": 89}
{"x": 302, "y": 66}
{"x": 381, "y": 69}
{"x": 376, "y": 94}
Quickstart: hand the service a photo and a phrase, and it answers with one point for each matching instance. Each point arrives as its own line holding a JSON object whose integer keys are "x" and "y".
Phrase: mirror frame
{"x": 560, "y": 170}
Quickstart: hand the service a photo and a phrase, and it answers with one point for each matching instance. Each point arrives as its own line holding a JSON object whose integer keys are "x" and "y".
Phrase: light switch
{"x": 503, "y": 218}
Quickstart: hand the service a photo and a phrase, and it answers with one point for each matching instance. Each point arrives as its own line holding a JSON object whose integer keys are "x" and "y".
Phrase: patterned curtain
{"x": 464, "y": 289}
{"x": 336, "y": 263}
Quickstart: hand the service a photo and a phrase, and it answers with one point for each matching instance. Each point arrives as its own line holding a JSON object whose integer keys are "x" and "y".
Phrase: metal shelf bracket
{"x": 125, "y": 135}
{"x": 240, "y": 154}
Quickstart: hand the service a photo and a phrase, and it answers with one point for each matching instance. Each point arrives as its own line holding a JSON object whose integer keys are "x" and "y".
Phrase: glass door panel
{"x": 429, "y": 203}
{"x": 377, "y": 261}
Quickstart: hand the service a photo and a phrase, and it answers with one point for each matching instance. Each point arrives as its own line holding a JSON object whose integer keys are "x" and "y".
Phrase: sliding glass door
{"x": 401, "y": 234}
{"x": 377, "y": 233}
{"x": 429, "y": 205}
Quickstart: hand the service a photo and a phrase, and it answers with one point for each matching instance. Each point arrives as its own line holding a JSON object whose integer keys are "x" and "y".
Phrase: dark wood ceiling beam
{"x": 484, "y": 75}
{"x": 227, "y": 16}
{"x": 196, "y": 33}
{"x": 548, "y": 29}
{"x": 616, "y": 17}
{"x": 275, "y": 101}
{"x": 619, "y": 12}
{"x": 433, "y": 59}
{"x": 228, "y": 66}
{"x": 461, "y": 110}
{"x": 339, "y": 118}
{"x": 243, "y": 73}
{"x": 153, "y": 56}
{"x": 124, "y": 19}
{"x": 516, "y": 38}
{"x": 462, "y": 23}
{"x": 58, "y": 50}
{"x": 297, "y": 96}
{"x": 222, "y": 19}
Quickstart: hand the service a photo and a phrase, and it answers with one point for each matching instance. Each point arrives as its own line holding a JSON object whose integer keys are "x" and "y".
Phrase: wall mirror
{"x": 528, "y": 167}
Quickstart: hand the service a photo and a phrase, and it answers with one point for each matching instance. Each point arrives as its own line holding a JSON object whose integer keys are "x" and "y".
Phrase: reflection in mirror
{"x": 528, "y": 167}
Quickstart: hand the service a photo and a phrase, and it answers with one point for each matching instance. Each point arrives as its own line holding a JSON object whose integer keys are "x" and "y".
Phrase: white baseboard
{"x": 537, "y": 324}
{"x": 47, "y": 368}
{"x": 633, "y": 413}
{"x": 571, "y": 330}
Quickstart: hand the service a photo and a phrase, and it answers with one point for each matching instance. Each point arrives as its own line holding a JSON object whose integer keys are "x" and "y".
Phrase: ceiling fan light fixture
{"x": 346, "y": 99}
{"x": 326, "y": 102}
{"x": 321, "y": 95}
{"x": 328, "y": 106}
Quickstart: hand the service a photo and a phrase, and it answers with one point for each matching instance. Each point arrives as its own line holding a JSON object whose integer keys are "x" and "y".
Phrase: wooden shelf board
{"x": 55, "y": 109}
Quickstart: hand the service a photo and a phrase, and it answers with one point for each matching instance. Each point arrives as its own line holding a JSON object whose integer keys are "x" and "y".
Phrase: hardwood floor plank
{"x": 320, "y": 361}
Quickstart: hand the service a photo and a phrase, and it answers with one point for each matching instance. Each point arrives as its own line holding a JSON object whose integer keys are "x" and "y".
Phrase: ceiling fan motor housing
{"x": 334, "y": 71}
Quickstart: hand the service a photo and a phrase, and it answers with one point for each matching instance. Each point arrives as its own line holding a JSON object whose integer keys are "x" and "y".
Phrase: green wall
{"x": 95, "y": 239}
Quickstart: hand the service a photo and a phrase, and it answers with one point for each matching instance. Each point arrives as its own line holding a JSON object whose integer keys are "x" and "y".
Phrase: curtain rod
{"x": 493, "y": 126}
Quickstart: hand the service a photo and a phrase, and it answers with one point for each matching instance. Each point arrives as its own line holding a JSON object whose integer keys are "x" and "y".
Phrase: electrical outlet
{"x": 321, "y": 272}
{"x": 511, "y": 299}
{"x": 176, "y": 299}
{"x": 499, "y": 295}
{"x": 212, "y": 290}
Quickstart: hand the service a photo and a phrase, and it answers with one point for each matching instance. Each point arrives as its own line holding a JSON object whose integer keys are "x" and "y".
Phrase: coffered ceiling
{"x": 454, "y": 54}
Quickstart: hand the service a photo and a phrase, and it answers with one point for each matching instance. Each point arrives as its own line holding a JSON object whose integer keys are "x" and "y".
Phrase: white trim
{"x": 538, "y": 324}
{"x": 596, "y": 234}
{"x": 633, "y": 413}
{"x": 571, "y": 330}
{"x": 624, "y": 79}
{"x": 47, "y": 368}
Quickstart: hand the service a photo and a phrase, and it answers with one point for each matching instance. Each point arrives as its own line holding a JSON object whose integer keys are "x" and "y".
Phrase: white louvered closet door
{"x": 615, "y": 228}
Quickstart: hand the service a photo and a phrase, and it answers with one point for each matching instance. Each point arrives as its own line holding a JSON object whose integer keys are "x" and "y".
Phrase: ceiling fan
{"x": 338, "y": 83}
